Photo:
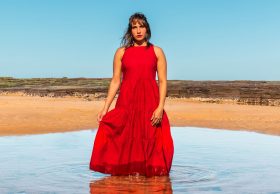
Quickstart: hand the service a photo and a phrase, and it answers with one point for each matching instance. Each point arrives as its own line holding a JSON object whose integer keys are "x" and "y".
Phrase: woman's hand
{"x": 157, "y": 116}
{"x": 101, "y": 114}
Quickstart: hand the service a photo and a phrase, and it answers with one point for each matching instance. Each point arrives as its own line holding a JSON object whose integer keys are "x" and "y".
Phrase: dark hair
{"x": 127, "y": 39}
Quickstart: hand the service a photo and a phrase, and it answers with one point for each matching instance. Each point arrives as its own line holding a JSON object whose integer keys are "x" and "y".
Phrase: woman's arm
{"x": 162, "y": 75}
{"x": 161, "y": 71}
{"x": 116, "y": 79}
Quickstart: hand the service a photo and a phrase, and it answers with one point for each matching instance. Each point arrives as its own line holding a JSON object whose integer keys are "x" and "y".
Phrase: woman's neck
{"x": 140, "y": 43}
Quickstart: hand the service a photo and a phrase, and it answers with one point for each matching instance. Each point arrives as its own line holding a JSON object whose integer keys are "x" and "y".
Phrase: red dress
{"x": 126, "y": 142}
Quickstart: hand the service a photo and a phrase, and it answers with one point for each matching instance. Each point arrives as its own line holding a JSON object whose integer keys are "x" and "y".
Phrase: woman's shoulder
{"x": 158, "y": 50}
{"x": 120, "y": 51}
{"x": 156, "y": 47}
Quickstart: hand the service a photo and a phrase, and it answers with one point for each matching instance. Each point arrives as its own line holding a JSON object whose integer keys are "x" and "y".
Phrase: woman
{"x": 134, "y": 138}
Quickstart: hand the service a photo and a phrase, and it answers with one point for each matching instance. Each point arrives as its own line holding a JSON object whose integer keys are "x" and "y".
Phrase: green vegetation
{"x": 9, "y": 82}
{"x": 240, "y": 91}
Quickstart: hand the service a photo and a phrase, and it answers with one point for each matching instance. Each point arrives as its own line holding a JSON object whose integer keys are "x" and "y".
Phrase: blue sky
{"x": 202, "y": 39}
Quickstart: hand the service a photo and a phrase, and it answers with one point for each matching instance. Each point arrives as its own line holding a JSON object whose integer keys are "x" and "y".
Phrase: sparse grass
{"x": 242, "y": 91}
{"x": 9, "y": 82}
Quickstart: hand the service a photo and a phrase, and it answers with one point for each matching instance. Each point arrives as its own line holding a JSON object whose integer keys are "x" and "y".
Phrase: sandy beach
{"x": 22, "y": 115}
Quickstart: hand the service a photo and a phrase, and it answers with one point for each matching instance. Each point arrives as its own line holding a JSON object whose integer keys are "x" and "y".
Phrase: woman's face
{"x": 138, "y": 31}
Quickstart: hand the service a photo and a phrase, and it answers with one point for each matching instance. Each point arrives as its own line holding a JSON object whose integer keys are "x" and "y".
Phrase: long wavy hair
{"x": 127, "y": 40}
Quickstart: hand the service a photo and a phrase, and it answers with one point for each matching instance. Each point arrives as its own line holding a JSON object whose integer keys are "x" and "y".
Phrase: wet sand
{"x": 21, "y": 115}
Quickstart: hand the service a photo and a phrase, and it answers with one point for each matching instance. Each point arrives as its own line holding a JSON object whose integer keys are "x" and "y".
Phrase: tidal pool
{"x": 205, "y": 161}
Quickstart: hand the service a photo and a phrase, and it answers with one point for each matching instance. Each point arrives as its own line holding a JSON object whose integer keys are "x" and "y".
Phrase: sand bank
{"x": 21, "y": 115}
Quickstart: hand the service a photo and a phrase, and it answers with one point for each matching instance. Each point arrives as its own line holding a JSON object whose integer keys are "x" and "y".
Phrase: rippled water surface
{"x": 205, "y": 161}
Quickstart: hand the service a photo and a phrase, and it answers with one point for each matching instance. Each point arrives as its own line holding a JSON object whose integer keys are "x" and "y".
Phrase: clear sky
{"x": 202, "y": 39}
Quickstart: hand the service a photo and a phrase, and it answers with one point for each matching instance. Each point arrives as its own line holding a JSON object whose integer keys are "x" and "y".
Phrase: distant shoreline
{"x": 22, "y": 115}
{"x": 265, "y": 93}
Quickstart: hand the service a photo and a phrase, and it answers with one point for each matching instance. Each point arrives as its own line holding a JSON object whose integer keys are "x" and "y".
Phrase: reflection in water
{"x": 131, "y": 184}
{"x": 180, "y": 176}
{"x": 205, "y": 161}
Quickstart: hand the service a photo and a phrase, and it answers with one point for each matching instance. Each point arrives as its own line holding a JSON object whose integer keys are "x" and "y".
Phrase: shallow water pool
{"x": 205, "y": 161}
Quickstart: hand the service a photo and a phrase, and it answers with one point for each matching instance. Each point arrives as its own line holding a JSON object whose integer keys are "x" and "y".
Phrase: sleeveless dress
{"x": 126, "y": 142}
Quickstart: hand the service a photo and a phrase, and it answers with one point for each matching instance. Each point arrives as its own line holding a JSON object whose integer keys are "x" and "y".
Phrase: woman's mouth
{"x": 139, "y": 36}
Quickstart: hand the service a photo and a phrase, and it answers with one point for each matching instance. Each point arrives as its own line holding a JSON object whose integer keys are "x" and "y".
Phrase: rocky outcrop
{"x": 240, "y": 91}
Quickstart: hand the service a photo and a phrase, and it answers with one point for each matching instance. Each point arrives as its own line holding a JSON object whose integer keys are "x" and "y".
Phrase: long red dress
{"x": 126, "y": 142}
